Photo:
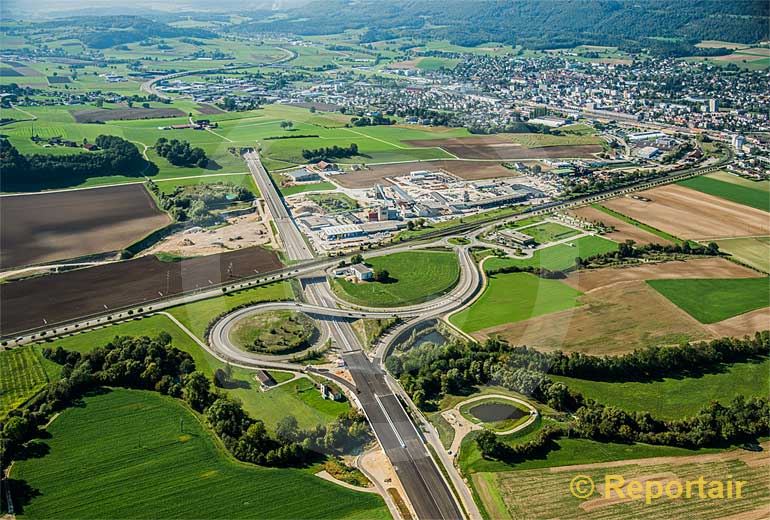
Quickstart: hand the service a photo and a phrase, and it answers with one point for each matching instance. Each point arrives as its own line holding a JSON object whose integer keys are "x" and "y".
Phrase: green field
{"x": 416, "y": 276}
{"x": 244, "y": 179}
{"x": 196, "y": 316}
{"x": 515, "y": 297}
{"x": 711, "y": 300}
{"x": 559, "y": 257}
{"x": 675, "y": 398}
{"x": 740, "y": 181}
{"x": 753, "y": 251}
{"x": 748, "y": 196}
{"x": 549, "y": 232}
{"x": 22, "y": 375}
{"x": 136, "y": 454}
{"x": 302, "y": 188}
{"x": 274, "y": 332}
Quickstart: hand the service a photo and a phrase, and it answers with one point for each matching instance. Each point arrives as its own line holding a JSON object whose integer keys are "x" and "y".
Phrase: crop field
{"x": 21, "y": 376}
{"x": 513, "y": 297}
{"x": 619, "y": 311}
{"x": 622, "y": 230}
{"x": 755, "y": 198}
{"x": 559, "y": 257}
{"x": 26, "y": 303}
{"x": 544, "y": 493}
{"x": 713, "y": 300}
{"x": 117, "y": 114}
{"x": 135, "y": 454}
{"x": 689, "y": 214}
{"x": 740, "y": 181}
{"x": 753, "y": 251}
{"x": 674, "y": 398}
{"x": 550, "y": 232}
{"x": 504, "y": 148}
{"x": 68, "y": 224}
{"x": 415, "y": 276}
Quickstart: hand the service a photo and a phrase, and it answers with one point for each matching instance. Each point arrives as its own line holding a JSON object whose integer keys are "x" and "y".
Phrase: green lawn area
{"x": 755, "y": 198}
{"x": 302, "y": 188}
{"x": 22, "y": 375}
{"x": 123, "y": 454}
{"x": 196, "y": 316}
{"x": 753, "y": 251}
{"x": 675, "y": 398}
{"x": 559, "y": 257}
{"x": 711, "y": 300}
{"x": 515, "y": 297}
{"x": 550, "y": 232}
{"x": 433, "y": 64}
{"x": 416, "y": 276}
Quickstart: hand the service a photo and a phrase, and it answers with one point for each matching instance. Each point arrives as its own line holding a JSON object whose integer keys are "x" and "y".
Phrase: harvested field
{"x": 53, "y": 226}
{"x": 742, "y": 324}
{"x": 123, "y": 114}
{"x": 687, "y": 213}
{"x": 468, "y": 170}
{"x": 55, "y": 298}
{"x": 589, "y": 279}
{"x": 611, "y": 320}
{"x": 753, "y": 251}
{"x": 209, "y": 110}
{"x": 623, "y": 230}
{"x": 620, "y": 312}
{"x": 53, "y": 80}
{"x": 498, "y": 147}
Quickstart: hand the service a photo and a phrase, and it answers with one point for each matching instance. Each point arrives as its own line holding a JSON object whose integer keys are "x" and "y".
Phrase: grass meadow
{"x": 137, "y": 454}
{"x": 711, "y": 300}
{"x": 515, "y": 297}
{"x": 560, "y": 257}
{"x": 753, "y": 251}
{"x": 415, "y": 276}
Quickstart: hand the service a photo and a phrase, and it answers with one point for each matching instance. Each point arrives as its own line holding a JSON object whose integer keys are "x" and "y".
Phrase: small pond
{"x": 496, "y": 412}
{"x": 433, "y": 336}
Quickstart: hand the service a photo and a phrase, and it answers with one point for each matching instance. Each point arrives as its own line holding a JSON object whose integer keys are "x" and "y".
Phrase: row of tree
{"x": 330, "y": 153}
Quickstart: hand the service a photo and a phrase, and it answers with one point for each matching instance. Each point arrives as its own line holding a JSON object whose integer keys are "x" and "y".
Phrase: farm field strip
{"x": 130, "y": 436}
{"x": 21, "y": 376}
{"x": 753, "y": 251}
{"x": 755, "y": 198}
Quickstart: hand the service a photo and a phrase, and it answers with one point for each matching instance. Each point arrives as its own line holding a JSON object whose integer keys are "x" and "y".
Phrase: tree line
{"x": 115, "y": 156}
{"x": 154, "y": 364}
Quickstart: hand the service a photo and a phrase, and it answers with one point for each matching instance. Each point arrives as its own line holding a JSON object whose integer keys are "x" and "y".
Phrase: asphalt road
{"x": 293, "y": 241}
{"x": 425, "y": 487}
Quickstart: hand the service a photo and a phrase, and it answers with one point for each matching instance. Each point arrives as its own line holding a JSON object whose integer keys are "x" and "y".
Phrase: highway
{"x": 287, "y": 230}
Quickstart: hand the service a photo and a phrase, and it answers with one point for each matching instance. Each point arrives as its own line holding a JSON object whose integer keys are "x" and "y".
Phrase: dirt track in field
{"x": 620, "y": 311}
{"x": 623, "y": 230}
{"x": 690, "y": 214}
{"x": 57, "y": 226}
{"x": 708, "y": 267}
{"x": 24, "y": 304}
{"x": 123, "y": 114}
{"x": 468, "y": 170}
{"x": 496, "y": 147}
